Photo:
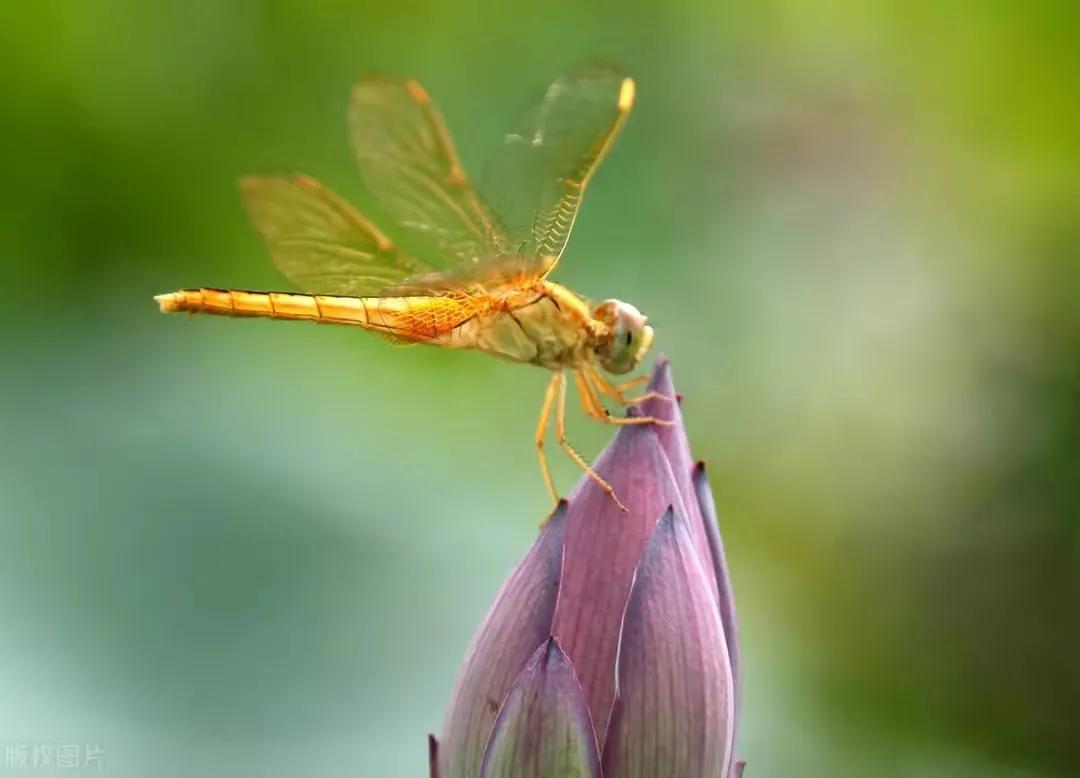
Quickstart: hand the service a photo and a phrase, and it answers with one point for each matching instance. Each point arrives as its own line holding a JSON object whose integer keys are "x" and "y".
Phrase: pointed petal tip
{"x": 517, "y": 623}
{"x": 433, "y": 756}
{"x": 673, "y": 439}
{"x": 671, "y": 638}
{"x": 666, "y": 407}
{"x": 556, "y": 652}
{"x": 544, "y": 727}
{"x": 725, "y": 595}
{"x": 661, "y": 374}
{"x": 553, "y": 521}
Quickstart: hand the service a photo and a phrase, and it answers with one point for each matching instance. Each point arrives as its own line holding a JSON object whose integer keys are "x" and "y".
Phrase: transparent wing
{"x": 498, "y": 276}
{"x": 408, "y": 161}
{"x": 423, "y": 319}
{"x": 320, "y": 242}
{"x": 537, "y": 181}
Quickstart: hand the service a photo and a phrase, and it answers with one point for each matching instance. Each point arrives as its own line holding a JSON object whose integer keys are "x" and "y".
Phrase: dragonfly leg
{"x": 633, "y": 383}
{"x": 541, "y": 432}
{"x": 630, "y": 421}
{"x": 560, "y": 435}
{"x": 590, "y": 403}
{"x": 587, "y": 383}
{"x": 615, "y": 391}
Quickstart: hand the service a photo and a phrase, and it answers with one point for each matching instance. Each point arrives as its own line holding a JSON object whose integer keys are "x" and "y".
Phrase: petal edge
{"x": 673, "y": 713}
{"x": 544, "y": 728}
{"x": 723, "y": 577}
{"x": 518, "y": 621}
{"x": 603, "y": 548}
{"x": 676, "y": 446}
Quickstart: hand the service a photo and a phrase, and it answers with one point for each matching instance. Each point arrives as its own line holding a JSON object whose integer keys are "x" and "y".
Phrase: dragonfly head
{"x": 628, "y": 337}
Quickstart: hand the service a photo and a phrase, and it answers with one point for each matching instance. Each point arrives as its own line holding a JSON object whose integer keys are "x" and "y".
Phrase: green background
{"x": 254, "y": 548}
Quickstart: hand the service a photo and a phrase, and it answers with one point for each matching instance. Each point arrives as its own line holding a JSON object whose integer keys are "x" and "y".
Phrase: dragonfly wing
{"x": 420, "y": 319}
{"x": 408, "y": 161}
{"x": 539, "y": 177}
{"x": 320, "y": 242}
{"x": 497, "y": 276}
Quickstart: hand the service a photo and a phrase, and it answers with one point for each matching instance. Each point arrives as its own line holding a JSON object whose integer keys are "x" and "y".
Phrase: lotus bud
{"x": 611, "y": 650}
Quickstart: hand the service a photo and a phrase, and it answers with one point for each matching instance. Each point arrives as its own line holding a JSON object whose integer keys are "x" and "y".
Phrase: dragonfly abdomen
{"x": 273, "y": 305}
{"x": 411, "y": 319}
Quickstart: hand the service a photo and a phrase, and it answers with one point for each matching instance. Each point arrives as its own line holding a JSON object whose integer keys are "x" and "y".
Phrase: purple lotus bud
{"x": 611, "y": 650}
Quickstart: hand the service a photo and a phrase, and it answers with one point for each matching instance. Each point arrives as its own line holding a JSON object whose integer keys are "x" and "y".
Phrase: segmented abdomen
{"x": 410, "y": 319}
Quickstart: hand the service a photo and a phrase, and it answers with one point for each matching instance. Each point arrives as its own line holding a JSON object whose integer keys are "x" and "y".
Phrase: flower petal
{"x": 433, "y": 756}
{"x": 674, "y": 712}
{"x": 677, "y": 448}
{"x": 723, "y": 577}
{"x": 737, "y": 768}
{"x": 519, "y": 620}
{"x": 543, "y": 729}
{"x": 603, "y": 546}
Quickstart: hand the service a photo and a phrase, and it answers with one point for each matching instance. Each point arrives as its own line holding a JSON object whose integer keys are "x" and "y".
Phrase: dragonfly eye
{"x": 630, "y": 336}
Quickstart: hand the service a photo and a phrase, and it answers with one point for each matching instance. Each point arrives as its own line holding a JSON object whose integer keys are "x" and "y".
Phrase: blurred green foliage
{"x": 251, "y": 548}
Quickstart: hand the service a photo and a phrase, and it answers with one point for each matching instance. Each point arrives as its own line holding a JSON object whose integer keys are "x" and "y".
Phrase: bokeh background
{"x": 255, "y": 548}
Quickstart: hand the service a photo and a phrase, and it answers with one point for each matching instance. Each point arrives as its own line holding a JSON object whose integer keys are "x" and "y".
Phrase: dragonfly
{"x": 479, "y": 278}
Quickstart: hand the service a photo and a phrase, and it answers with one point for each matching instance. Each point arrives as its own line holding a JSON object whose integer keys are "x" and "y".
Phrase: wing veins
{"x": 437, "y": 189}
{"x": 546, "y": 165}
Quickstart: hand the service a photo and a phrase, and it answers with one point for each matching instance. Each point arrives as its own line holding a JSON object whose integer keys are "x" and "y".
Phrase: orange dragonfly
{"x": 485, "y": 282}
